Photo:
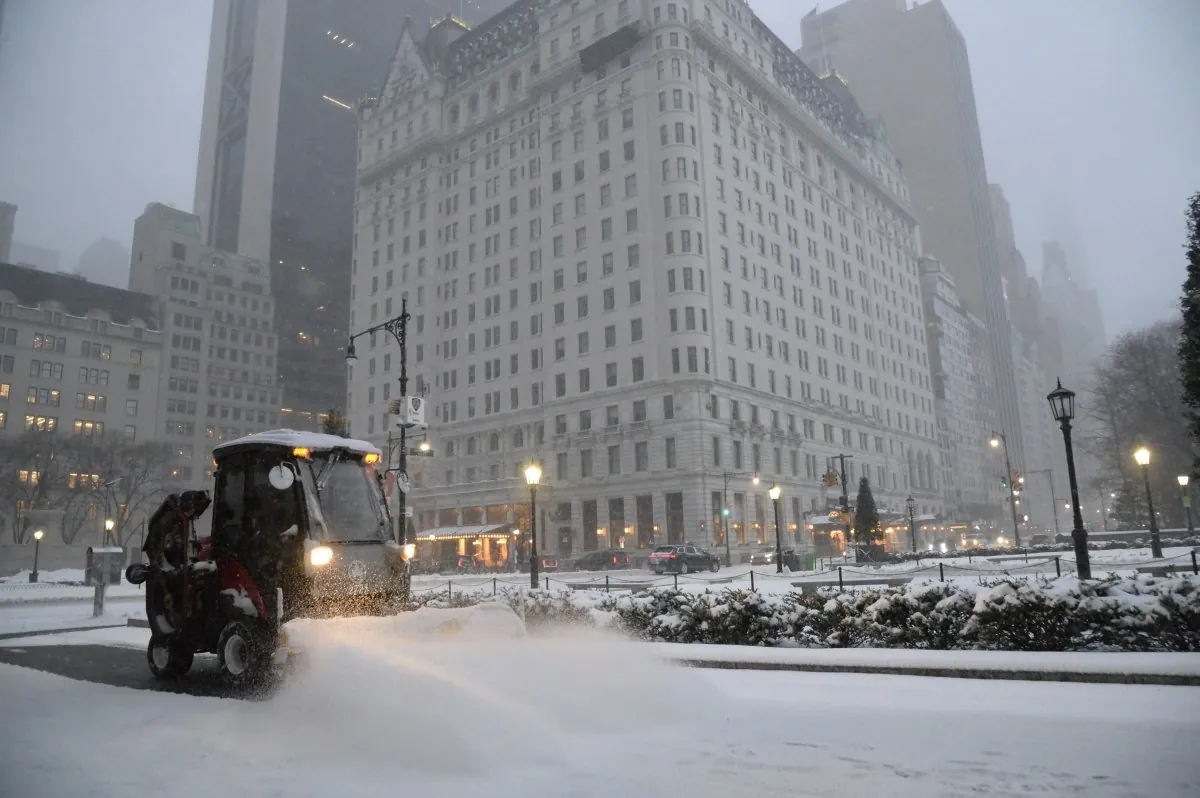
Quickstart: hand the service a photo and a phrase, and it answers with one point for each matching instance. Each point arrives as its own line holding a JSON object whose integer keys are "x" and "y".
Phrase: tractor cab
{"x": 313, "y": 503}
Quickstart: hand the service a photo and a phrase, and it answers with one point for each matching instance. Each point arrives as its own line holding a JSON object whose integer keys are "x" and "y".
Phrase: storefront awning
{"x": 461, "y": 532}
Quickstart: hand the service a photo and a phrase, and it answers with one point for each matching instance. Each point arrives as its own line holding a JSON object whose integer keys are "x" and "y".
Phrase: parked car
{"x": 603, "y": 560}
{"x": 546, "y": 562}
{"x": 684, "y": 560}
{"x": 1039, "y": 540}
{"x": 657, "y": 561}
{"x": 766, "y": 556}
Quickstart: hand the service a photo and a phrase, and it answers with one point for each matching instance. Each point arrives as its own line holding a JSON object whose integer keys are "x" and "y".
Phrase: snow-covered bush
{"x": 545, "y": 610}
{"x": 1141, "y": 613}
{"x": 1114, "y": 613}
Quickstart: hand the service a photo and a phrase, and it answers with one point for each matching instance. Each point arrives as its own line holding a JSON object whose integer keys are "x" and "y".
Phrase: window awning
{"x": 494, "y": 531}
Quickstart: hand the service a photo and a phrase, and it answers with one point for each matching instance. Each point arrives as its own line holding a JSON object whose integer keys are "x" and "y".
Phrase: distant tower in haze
{"x": 105, "y": 261}
{"x": 909, "y": 66}
{"x": 8, "y": 220}
{"x": 276, "y": 171}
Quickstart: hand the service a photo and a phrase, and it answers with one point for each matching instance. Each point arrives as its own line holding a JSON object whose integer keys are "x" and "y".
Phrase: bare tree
{"x": 1136, "y": 399}
{"x": 130, "y": 482}
{"x": 33, "y": 470}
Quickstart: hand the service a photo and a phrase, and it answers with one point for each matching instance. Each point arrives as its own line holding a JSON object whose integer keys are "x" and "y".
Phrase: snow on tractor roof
{"x": 291, "y": 438}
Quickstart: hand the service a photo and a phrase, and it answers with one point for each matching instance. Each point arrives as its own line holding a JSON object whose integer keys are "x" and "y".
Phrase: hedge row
{"x": 1132, "y": 613}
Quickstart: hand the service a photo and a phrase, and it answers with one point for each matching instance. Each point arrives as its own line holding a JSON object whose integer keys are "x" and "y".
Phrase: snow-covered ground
{"x": 381, "y": 712}
{"x": 38, "y": 616}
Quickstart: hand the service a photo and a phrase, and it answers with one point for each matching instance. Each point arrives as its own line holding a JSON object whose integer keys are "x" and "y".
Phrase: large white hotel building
{"x": 643, "y": 244}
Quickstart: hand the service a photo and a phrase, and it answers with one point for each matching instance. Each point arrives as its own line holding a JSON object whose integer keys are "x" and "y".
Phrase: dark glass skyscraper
{"x": 276, "y": 171}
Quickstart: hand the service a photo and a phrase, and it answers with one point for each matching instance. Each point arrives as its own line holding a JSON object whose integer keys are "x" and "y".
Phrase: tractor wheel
{"x": 168, "y": 658}
{"x": 242, "y": 654}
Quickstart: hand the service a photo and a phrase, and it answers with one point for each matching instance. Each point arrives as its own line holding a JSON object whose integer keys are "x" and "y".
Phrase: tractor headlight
{"x": 321, "y": 555}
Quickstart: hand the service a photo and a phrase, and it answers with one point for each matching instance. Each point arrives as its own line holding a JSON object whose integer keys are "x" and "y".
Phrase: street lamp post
{"x": 397, "y": 327}
{"x": 1142, "y": 456}
{"x": 1187, "y": 503}
{"x": 37, "y": 542}
{"x": 533, "y": 475}
{"x": 998, "y": 439}
{"x": 1062, "y": 406}
{"x": 911, "y": 504}
{"x": 726, "y": 511}
{"x": 775, "y": 493}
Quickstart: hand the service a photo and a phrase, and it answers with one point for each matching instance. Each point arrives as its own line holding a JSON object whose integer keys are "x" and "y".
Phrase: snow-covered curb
{"x": 1069, "y": 666}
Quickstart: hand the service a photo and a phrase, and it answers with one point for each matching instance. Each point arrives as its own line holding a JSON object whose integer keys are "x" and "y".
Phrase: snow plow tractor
{"x": 299, "y": 528}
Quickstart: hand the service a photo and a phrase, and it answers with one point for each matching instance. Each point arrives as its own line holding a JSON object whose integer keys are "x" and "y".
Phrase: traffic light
{"x": 1017, "y": 478}
{"x": 1004, "y": 483}
{"x": 725, "y": 512}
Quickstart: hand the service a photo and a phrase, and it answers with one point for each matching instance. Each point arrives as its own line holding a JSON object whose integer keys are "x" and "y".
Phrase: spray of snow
{"x": 443, "y": 691}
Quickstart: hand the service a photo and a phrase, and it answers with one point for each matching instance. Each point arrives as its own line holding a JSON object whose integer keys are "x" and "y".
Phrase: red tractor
{"x": 299, "y": 527}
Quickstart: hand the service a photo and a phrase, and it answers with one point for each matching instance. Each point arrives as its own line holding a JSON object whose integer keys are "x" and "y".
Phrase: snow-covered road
{"x": 587, "y": 715}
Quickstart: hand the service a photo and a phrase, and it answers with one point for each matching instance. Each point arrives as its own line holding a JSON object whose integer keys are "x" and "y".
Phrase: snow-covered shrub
{"x": 1017, "y": 616}
{"x": 545, "y": 610}
{"x": 1114, "y": 613}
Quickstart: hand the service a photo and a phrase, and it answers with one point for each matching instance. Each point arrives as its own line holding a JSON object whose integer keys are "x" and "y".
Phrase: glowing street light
{"x": 775, "y": 493}
{"x": 1182, "y": 479}
{"x": 37, "y": 543}
{"x": 533, "y": 475}
{"x": 1142, "y": 457}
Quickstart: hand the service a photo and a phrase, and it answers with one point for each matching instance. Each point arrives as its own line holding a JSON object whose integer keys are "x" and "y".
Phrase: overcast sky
{"x": 1089, "y": 111}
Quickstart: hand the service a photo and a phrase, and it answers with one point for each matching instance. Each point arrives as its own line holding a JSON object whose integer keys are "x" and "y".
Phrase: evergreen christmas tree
{"x": 1129, "y": 510}
{"x": 866, "y": 521}
{"x": 335, "y": 423}
{"x": 1189, "y": 342}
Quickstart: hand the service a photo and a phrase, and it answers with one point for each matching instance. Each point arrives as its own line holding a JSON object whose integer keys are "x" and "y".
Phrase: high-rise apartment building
{"x": 218, "y": 375}
{"x": 909, "y": 66}
{"x": 275, "y": 179}
{"x": 961, "y": 383}
{"x": 643, "y": 244}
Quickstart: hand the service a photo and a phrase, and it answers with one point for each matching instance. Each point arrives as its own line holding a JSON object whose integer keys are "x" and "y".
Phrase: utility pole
{"x": 842, "y": 458}
{"x": 398, "y": 328}
{"x": 999, "y": 439}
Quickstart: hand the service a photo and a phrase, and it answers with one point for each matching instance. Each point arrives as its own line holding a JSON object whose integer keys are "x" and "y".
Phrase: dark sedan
{"x": 684, "y": 560}
{"x": 766, "y": 556}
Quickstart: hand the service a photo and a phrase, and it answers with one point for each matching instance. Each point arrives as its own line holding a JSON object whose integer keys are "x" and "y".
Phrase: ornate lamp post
{"x": 1187, "y": 503}
{"x": 533, "y": 475}
{"x": 1142, "y": 456}
{"x": 37, "y": 543}
{"x": 1062, "y": 406}
{"x": 911, "y": 504}
{"x": 775, "y": 493}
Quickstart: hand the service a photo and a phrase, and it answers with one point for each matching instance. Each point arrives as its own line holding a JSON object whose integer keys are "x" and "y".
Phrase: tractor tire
{"x": 168, "y": 658}
{"x": 242, "y": 655}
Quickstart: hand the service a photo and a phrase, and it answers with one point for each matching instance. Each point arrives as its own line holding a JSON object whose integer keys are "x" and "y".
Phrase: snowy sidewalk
{"x": 1052, "y": 666}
